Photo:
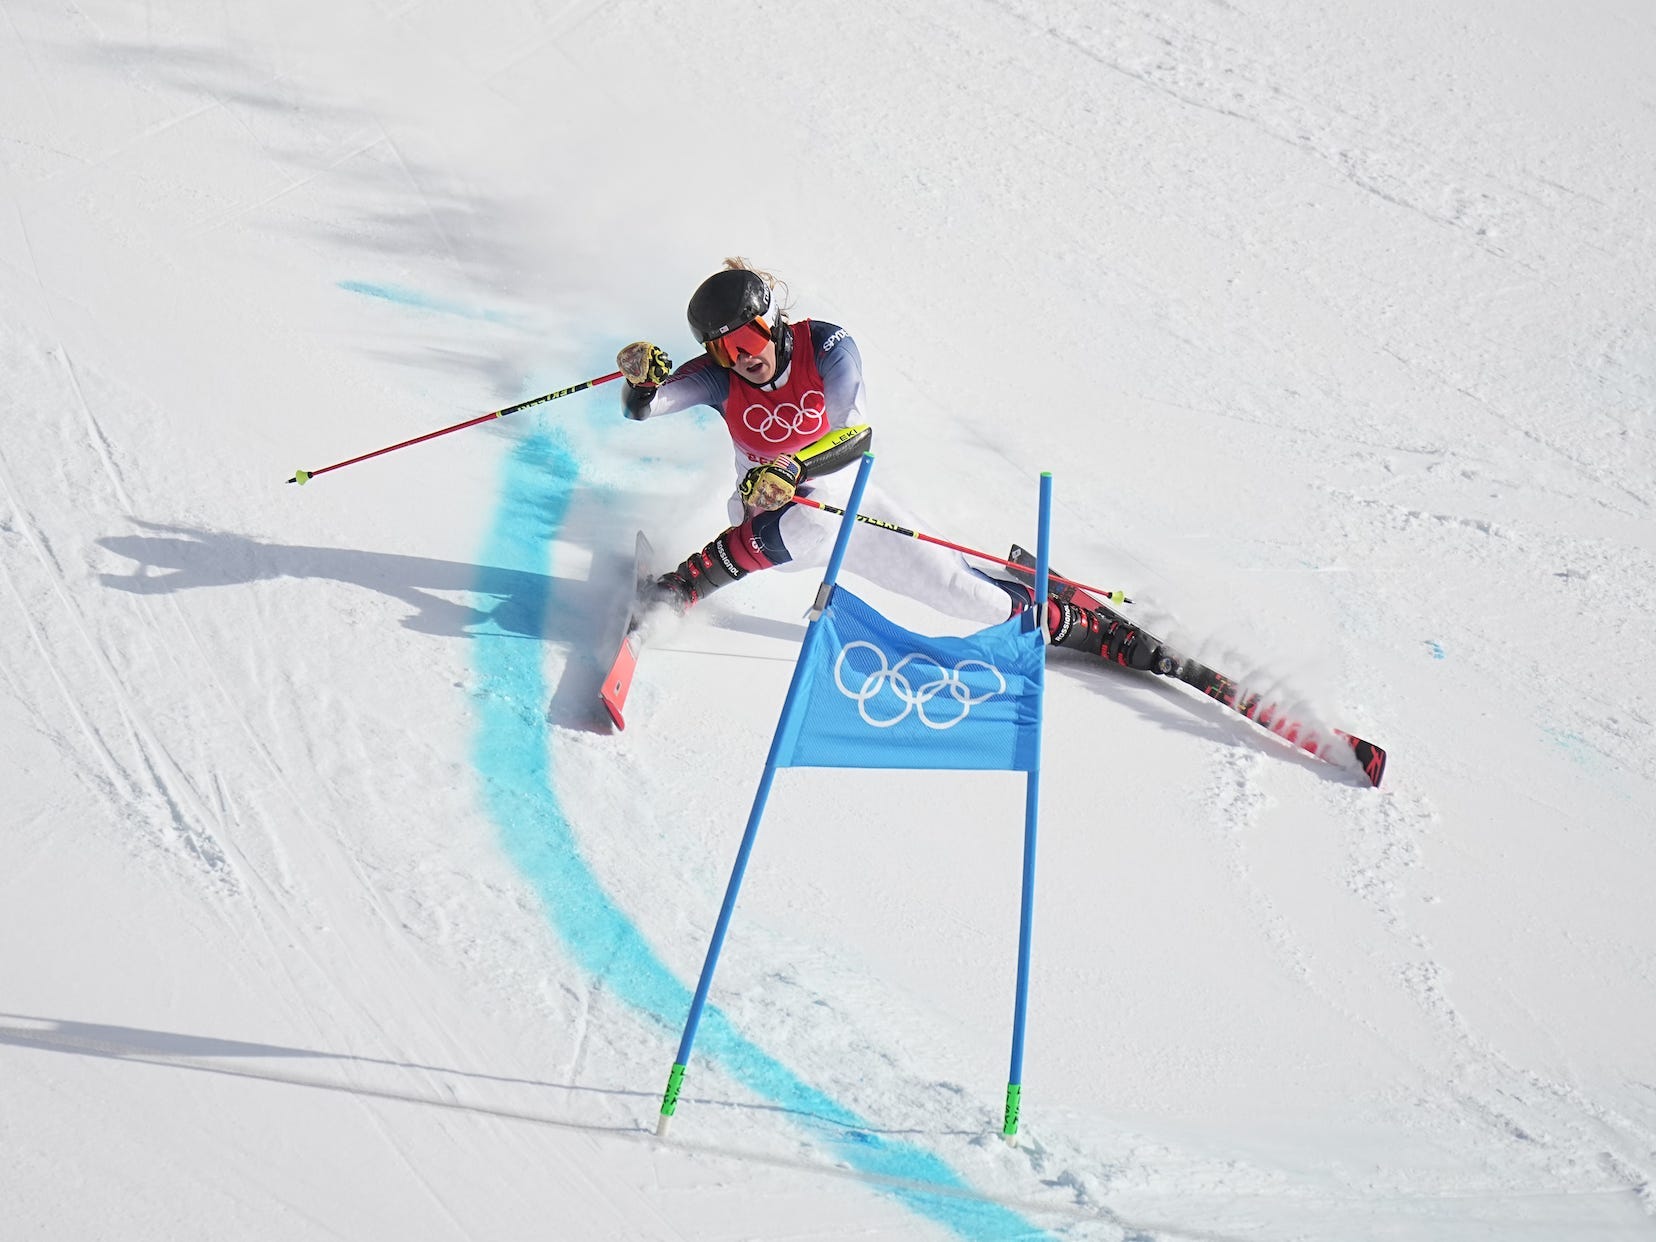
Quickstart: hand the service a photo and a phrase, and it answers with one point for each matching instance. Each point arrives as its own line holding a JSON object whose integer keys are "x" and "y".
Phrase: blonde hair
{"x": 781, "y": 299}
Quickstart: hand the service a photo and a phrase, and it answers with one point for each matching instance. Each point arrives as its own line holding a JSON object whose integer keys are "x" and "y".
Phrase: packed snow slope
{"x": 328, "y": 910}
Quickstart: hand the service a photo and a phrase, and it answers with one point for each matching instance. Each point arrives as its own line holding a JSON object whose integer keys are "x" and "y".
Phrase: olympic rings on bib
{"x": 787, "y": 421}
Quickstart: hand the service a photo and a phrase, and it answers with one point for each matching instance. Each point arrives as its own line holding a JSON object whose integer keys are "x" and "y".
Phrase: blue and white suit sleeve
{"x": 698, "y": 382}
{"x": 839, "y": 362}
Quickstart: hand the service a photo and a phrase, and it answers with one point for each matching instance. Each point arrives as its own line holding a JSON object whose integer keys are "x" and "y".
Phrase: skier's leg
{"x": 936, "y": 577}
{"x": 752, "y": 543}
{"x": 946, "y": 582}
{"x": 802, "y": 537}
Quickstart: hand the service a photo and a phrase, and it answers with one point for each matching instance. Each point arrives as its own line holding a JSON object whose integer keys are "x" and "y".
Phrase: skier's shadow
{"x": 328, "y": 1071}
{"x": 450, "y": 599}
{"x": 524, "y": 1099}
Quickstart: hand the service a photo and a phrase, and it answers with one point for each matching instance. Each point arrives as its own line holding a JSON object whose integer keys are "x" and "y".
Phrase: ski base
{"x": 618, "y": 681}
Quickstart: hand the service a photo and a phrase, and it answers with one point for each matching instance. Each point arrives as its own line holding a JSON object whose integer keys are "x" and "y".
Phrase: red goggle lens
{"x": 750, "y": 338}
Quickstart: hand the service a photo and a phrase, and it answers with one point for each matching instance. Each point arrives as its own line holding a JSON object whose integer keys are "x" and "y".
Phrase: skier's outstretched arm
{"x": 650, "y": 387}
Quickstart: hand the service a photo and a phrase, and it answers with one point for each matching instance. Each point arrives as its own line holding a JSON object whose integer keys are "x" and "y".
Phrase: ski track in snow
{"x": 201, "y": 824}
{"x": 512, "y": 751}
{"x": 512, "y": 748}
{"x": 137, "y": 769}
{"x": 1577, "y": 1141}
{"x": 1385, "y": 849}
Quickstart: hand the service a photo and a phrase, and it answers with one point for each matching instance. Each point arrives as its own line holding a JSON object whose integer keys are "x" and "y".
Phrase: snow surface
{"x": 326, "y": 911}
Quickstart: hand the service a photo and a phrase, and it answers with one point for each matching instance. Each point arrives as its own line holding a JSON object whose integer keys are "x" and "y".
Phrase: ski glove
{"x": 644, "y": 364}
{"x": 771, "y": 486}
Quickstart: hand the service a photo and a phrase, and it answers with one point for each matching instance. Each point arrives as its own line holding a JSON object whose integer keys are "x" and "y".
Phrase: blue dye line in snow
{"x": 420, "y": 301}
{"x": 1438, "y": 652}
{"x": 512, "y": 754}
{"x": 1572, "y": 744}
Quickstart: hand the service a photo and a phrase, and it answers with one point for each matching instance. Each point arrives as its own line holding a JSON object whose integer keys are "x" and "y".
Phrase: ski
{"x": 1308, "y": 738}
{"x": 1216, "y": 685}
{"x": 619, "y": 678}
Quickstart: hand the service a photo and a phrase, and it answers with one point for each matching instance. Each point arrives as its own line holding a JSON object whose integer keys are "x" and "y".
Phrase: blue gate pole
{"x": 1032, "y": 802}
{"x": 675, "y": 1079}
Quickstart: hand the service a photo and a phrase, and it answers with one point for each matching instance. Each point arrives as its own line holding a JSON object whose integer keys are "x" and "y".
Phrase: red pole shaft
{"x": 304, "y": 476}
{"x": 1116, "y": 596}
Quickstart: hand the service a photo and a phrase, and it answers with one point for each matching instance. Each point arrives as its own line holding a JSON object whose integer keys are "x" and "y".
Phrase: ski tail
{"x": 618, "y": 681}
{"x": 1371, "y": 757}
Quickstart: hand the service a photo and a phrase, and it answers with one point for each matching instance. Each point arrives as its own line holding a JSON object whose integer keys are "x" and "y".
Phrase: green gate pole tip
{"x": 1014, "y": 1097}
{"x": 669, "y": 1101}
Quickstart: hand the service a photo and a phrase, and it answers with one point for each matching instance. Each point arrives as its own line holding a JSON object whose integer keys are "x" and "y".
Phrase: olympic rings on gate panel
{"x": 914, "y": 698}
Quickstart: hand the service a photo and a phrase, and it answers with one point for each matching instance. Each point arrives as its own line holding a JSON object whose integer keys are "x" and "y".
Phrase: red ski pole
{"x": 1114, "y": 597}
{"x": 302, "y": 477}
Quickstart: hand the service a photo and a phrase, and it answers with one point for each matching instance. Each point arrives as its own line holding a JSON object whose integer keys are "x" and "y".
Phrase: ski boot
{"x": 1079, "y": 622}
{"x": 701, "y": 573}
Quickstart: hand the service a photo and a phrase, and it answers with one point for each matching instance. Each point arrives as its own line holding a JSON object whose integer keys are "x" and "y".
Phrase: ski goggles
{"x": 750, "y": 338}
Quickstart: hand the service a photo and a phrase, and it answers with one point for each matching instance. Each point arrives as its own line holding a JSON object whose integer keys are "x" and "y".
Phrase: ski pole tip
{"x": 301, "y": 477}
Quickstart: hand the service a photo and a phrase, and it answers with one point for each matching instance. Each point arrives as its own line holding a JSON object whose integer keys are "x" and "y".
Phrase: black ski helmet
{"x": 725, "y": 301}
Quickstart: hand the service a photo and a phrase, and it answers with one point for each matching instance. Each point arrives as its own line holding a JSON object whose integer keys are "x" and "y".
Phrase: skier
{"x": 792, "y": 398}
